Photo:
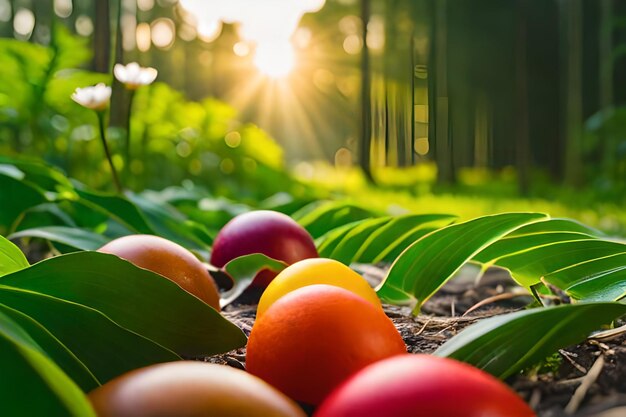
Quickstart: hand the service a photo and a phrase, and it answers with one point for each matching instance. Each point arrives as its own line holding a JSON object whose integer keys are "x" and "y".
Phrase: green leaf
{"x": 346, "y": 250}
{"x": 135, "y": 298}
{"x": 329, "y": 216}
{"x": 11, "y": 257}
{"x": 529, "y": 266}
{"x": 429, "y": 262}
{"x": 327, "y": 243}
{"x": 243, "y": 269}
{"x": 43, "y": 175}
{"x": 16, "y": 196}
{"x": 601, "y": 279}
{"x": 117, "y": 207}
{"x": 393, "y": 235}
{"x": 31, "y": 384}
{"x": 505, "y": 344}
{"x": 107, "y": 349}
{"x": 533, "y": 235}
{"x": 74, "y": 237}
{"x": 54, "y": 349}
{"x": 171, "y": 224}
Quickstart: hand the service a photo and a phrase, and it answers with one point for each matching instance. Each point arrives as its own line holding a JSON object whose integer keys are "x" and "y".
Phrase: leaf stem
{"x": 129, "y": 113}
{"x": 116, "y": 179}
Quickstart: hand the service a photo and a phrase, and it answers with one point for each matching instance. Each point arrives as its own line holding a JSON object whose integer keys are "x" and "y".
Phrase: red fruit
{"x": 168, "y": 259}
{"x": 268, "y": 232}
{"x": 312, "y": 339}
{"x": 423, "y": 386}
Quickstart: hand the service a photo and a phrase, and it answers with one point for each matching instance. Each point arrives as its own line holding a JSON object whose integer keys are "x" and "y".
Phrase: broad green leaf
{"x": 505, "y": 344}
{"x": 391, "y": 252}
{"x": 329, "y": 240}
{"x": 45, "y": 176}
{"x": 54, "y": 349}
{"x": 31, "y": 384}
{"x": 529, "y": 266}
{"x": 135, "y": 298}
{"x": 106, "y": 349}
{"x": 431, "y": 261}
{"x": 11, "y": 257}
{"x": 533, "y": 235}
{"x": 346, "y": 250}
{"x": 393, "y": 235}
{"x": 74, "y": 237}
{"x": 243, "y": 269}
{"x": 117, "y": 207}
{"x": 171, "y": 224}
{"x": 16, "y": 196}
{"x": 329, "y": 216}
{"x": 601, "y": 279}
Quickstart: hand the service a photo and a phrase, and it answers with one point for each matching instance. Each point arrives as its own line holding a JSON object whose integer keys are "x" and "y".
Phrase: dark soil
{"x": 568, "y": 389}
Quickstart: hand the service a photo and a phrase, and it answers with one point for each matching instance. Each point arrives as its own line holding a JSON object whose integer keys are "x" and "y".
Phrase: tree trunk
{"x": 443, "y": 143}
{"x": 605, "y": 90}
{"x": 102, "y": 36}
{"x": 573, "y": 93}
{"x": 366, "y": 99}
{"x": 521, "y": 92}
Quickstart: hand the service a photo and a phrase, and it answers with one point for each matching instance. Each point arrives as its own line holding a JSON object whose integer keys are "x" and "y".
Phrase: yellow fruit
{"x": 316, "y": 271}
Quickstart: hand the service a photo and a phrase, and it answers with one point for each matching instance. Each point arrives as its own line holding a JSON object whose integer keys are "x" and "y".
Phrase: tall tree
{"x": 102, "y": 36}
{"x": 522, "y": 154}
{"x": 443, "y": 142}
{"x": 573, "y": 61}
{"x": 366, "y": 96}
{"x": 605, "y": 90}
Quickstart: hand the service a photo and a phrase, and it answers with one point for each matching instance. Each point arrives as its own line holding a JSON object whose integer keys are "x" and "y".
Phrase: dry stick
{"x": 567, "y": 355}
{"x": 116, "y": 179}
{"x": 610, "y": 334}
{"x": 493, "y": 299}
{"x": 588, "y": 381}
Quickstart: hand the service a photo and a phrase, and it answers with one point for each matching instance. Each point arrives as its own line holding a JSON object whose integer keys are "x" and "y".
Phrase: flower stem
{"x": 127, "y": 156}
{"x": 116, "y": 179}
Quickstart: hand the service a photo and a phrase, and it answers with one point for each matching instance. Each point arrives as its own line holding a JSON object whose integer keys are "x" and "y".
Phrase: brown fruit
{"x": 168, "y": 259}
{"x": 190, "y": 389}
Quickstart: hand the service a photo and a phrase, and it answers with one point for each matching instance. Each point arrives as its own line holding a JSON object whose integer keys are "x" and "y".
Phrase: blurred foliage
{"x": 173, "y": 138}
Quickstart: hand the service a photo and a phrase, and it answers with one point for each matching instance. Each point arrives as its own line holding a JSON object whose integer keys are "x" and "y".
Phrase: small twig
{"x": 567, "y": 355}
{"x": 493, "y": 299}
{"x": 452, "y": 308}
{"x": 588, "y": 381}
{"x": 424, "y": 327}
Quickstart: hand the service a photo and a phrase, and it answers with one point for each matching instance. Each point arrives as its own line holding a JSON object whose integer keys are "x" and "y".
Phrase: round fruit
{"x": 190, "y": 389}
{"x": 315, "y": 337}
{"x": 423, "y": 386}
{"x": 268, "y": 232}
{"x": 316, "y": 271}
{"x": 168, "y": 259}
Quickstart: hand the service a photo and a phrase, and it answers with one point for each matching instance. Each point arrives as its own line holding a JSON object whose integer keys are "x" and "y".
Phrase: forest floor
{"x": 583, "y": 381}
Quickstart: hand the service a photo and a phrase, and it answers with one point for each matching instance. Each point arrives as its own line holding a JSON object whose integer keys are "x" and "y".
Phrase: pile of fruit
{"x": 320, "y": 339}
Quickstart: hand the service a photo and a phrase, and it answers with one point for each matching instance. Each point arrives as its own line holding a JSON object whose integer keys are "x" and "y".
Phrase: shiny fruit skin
{"x": 190, "y": 389}
{"x": 268, "y": 232}
{"x": 168, "y": 259}
{"x": 315, "y": 337}
{"x": 316, "y": 271}
{"x": 423, "y": 386}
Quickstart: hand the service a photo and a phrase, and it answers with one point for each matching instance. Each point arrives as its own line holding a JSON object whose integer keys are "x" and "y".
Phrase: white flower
{"x": 134, "y": 76}
{"x": 95, "y": 98}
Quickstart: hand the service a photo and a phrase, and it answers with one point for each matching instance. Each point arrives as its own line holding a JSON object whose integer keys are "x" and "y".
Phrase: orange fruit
{"x": 313, "y": 338}
{"x": 316, "y": 271}
{"x": 168, "y": 259}
{"x": 190, "y": 389}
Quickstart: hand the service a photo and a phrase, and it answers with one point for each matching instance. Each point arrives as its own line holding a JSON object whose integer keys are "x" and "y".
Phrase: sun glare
{"x": 274, "y": 60}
